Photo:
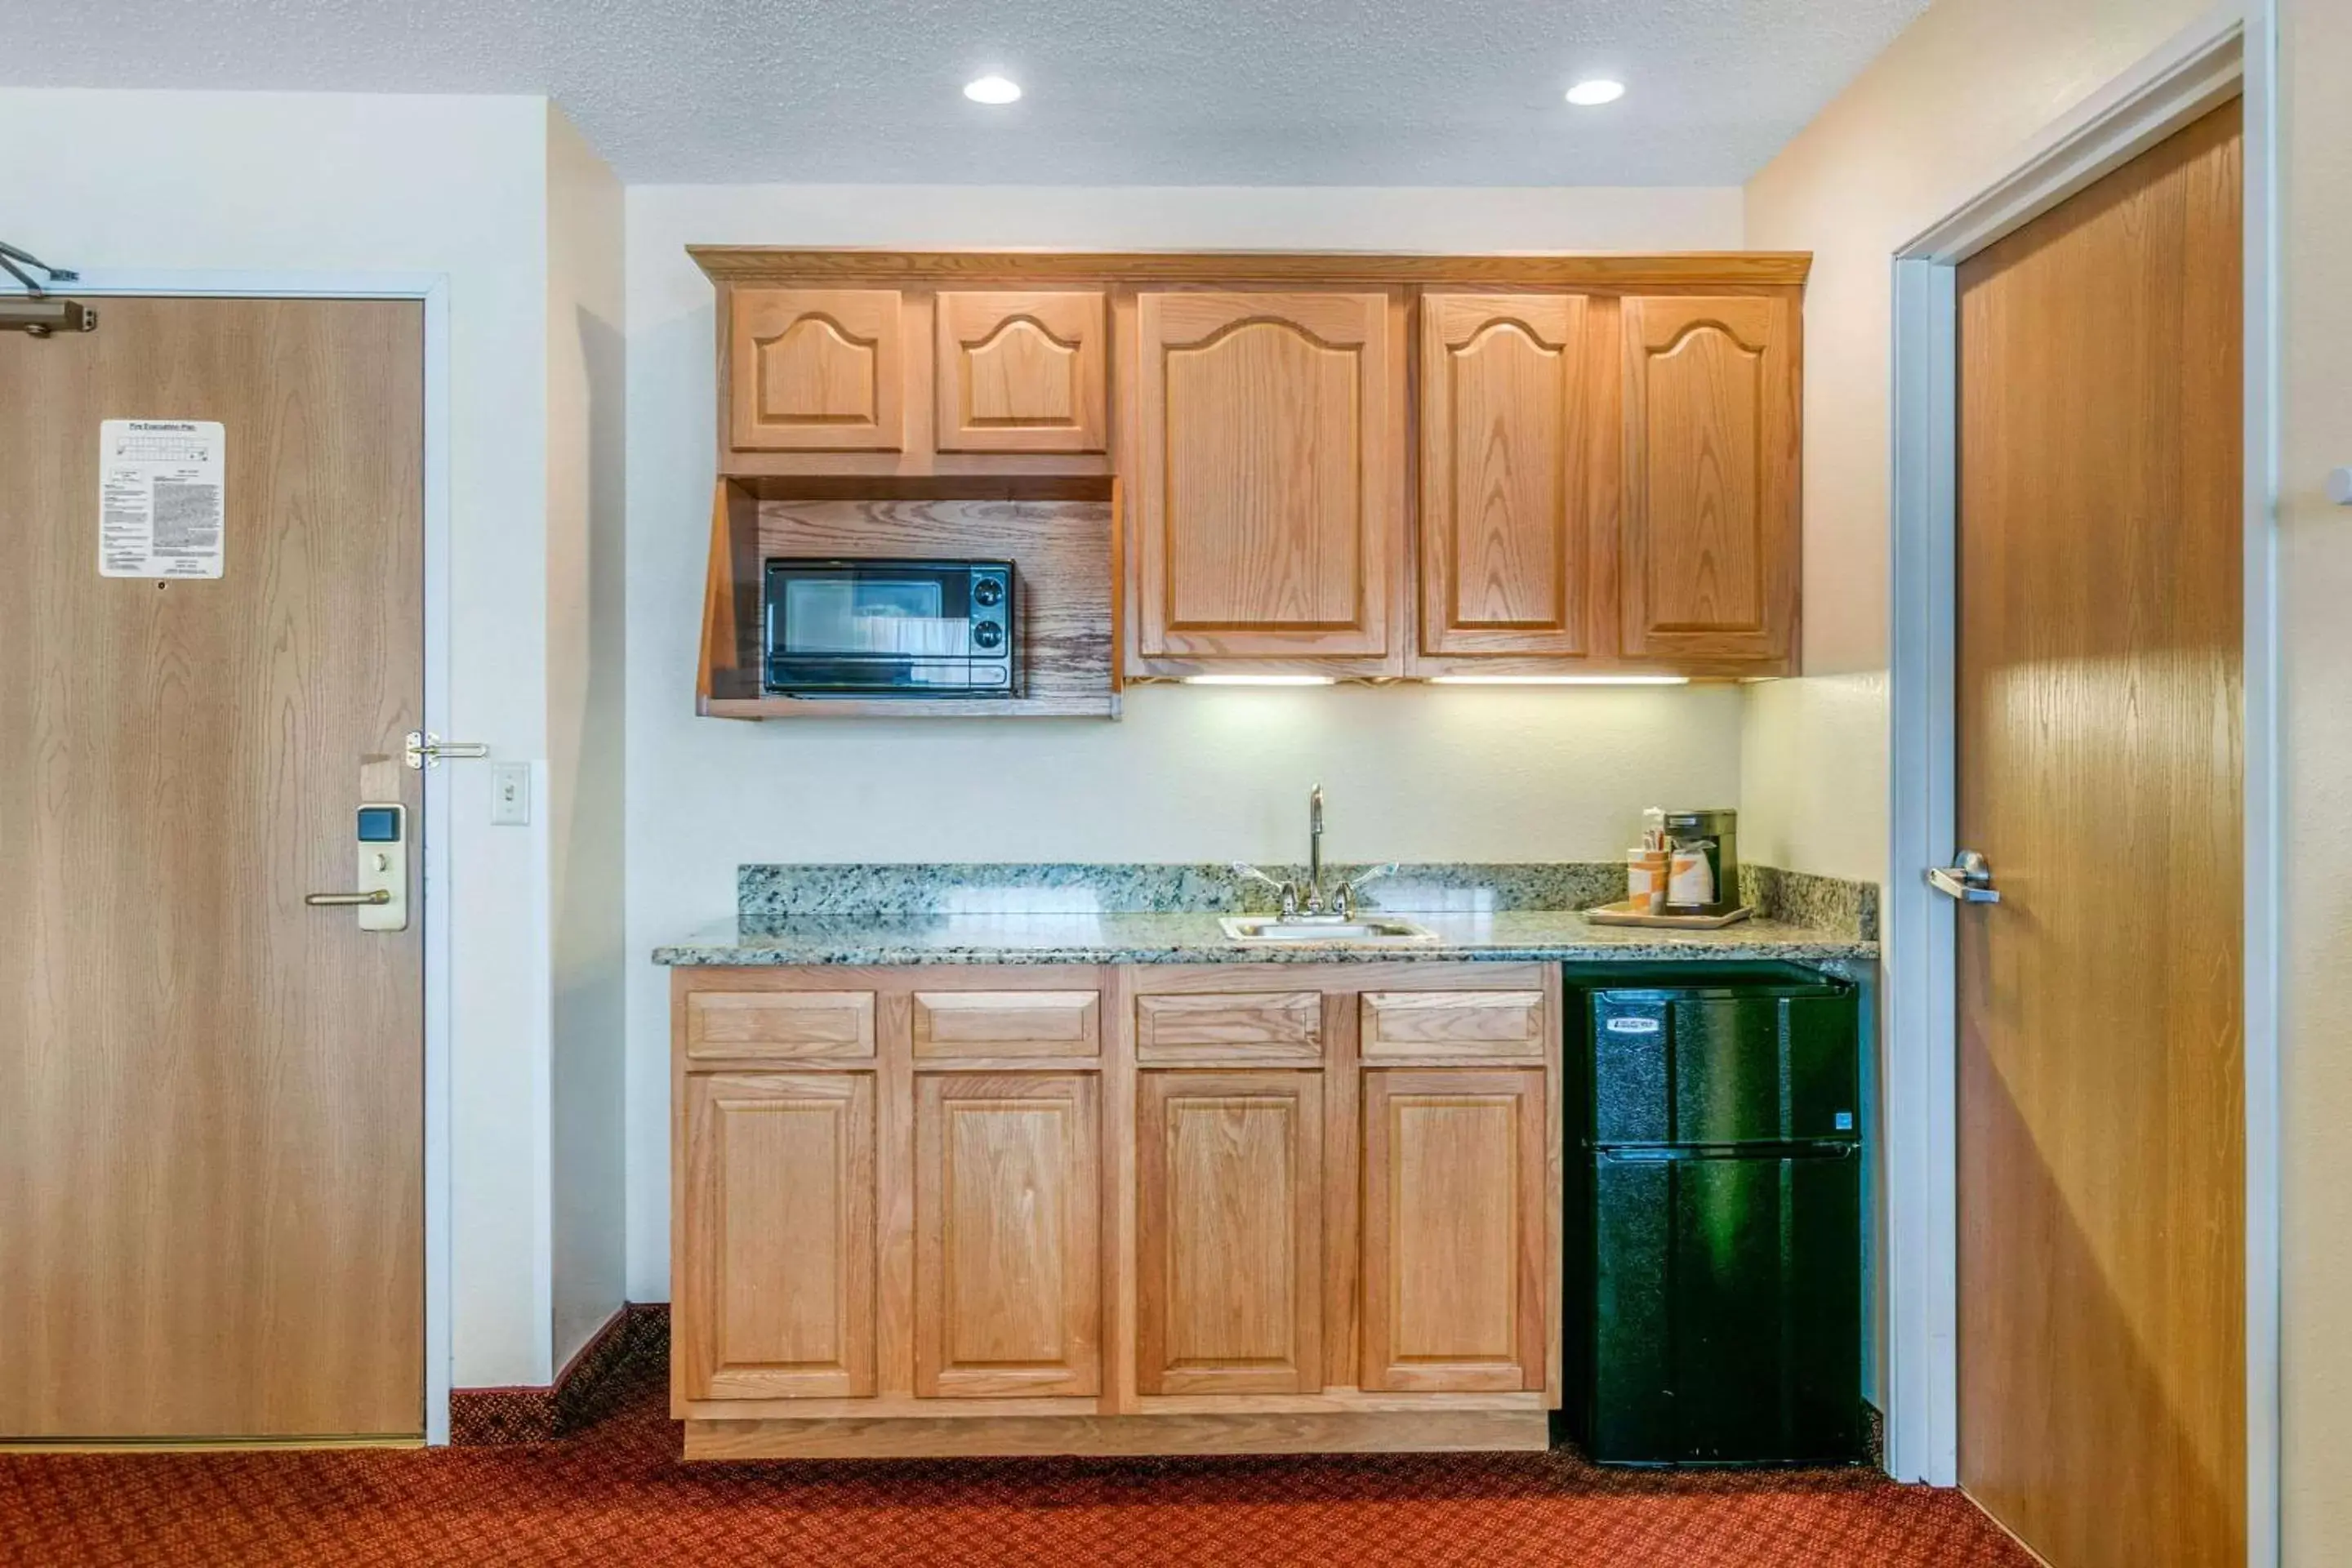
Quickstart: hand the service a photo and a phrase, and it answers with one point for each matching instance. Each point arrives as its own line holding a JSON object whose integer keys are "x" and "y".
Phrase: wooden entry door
{"x": 2102, "y": 1189}
{"x": 211, "y": 1095}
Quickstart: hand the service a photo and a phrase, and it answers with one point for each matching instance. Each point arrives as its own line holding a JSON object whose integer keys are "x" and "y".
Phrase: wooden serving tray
{"x": 1625, "y": 914}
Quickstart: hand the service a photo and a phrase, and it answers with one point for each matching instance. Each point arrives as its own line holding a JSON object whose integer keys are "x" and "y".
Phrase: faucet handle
{"x": 1288, "y": 892}
{"x": 1346, "y": 896}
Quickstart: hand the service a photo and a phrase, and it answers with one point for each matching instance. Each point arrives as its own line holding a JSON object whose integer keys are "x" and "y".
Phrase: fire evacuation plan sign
{"x": 161, "y": 497}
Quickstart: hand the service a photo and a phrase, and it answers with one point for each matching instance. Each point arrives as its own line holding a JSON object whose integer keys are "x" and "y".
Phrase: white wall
{"x": 2315, "y": 552}
{"x": 281, "y": 182}
{"x": 1190, "y": 774}
{"x": 1928, "y": 123}
{"x": 585, "y": 732}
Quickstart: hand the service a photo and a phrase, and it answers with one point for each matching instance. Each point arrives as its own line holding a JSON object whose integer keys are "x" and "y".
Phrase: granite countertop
{"x": 882, "y": 915}
{"x": 1154, "y": 937}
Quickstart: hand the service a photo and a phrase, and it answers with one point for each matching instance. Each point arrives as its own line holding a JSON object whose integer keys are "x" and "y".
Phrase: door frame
{"x": 432, "y": 290}
{"x": 2229, "y": 52}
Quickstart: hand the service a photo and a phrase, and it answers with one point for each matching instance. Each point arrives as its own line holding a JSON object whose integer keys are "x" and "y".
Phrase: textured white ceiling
{"x": 1381, "y": 92}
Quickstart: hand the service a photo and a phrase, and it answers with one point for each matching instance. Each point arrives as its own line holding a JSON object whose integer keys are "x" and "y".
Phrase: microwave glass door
{"x": 873, "y": 615}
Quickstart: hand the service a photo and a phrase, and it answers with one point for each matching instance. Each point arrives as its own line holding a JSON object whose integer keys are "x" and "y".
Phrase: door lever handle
{"x": 340, "y": 900}
{"x": 1969, "y": 879}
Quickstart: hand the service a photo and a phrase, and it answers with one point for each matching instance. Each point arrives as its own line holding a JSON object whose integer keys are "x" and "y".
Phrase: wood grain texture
{"x": 1022, "y": 371}
{"x": 1008, "y": 1218}
{"x": 1232, "y": 1027}
{"x": 1463, "y": 1024}
{"x": 1706, "y": 269}
{"x": 1060, "y": 550}
{"x": 821, "y": 369}
{"x": 2100, "y": 695}
{"x": 1430, "y": 1431}
{"x": 1712, "y": 528}
{"x": 1455, "y": 1269}
{"x": 211, "y": 1100}
{"x": 778, "y": 1204}
{"x": 1268, "y": 462}
{"x": 1002, "y": 1024}
{"x": 1508, "y": 559}
{"x": 756, "y": 1024}
{"x": 1230, "y": 1232}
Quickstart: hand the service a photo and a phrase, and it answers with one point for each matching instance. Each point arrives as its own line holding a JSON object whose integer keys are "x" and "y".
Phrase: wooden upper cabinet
{"x": 1710, "y": 479}
{"x": 817, "y": 369}
{"x": 1456, "y": 1254}
{"x": 1510, "y": 561}
{"x": 1229, "y": 1240}
{"x": 1007, "y": 1226}
{"x": 1021, "y": 372}
{"x": 776, "y": 1299}
{"x": 1267, "y": 473}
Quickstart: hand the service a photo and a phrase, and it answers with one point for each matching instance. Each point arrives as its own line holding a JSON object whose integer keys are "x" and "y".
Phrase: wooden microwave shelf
{"x": 1061, "y": 548}
{"x": 1364, "y": 466}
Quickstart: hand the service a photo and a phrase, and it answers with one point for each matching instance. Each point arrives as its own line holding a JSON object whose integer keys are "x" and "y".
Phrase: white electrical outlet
{"x": 510, "y": 794}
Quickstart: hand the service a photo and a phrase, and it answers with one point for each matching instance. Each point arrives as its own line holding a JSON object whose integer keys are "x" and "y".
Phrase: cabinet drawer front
{"x": 1481, "y": 1024}
{"x": 1236, "y": 1026}
{"x": 1008, "y": 1023}
{"x": 797, "y": 1025}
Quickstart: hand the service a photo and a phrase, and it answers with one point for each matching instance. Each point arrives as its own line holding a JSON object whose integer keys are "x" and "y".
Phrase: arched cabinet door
{"x": 1268, "y": 475}
{"x": 817, "y": 370}
{"x": 1711, "y": 529}
{"x": 1021, "y": 372}
{"x": 1511, "y": 560}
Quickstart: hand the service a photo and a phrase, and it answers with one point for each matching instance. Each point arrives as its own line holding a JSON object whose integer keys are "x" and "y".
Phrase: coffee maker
{"x": 1716, "y": 836}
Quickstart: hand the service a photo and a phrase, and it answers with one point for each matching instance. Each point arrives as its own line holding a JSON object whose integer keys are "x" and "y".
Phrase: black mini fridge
{"x": 1713, "y": 1308}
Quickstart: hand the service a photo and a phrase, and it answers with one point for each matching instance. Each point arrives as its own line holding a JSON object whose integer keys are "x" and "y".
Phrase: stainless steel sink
{"x": 1367, "y": 929}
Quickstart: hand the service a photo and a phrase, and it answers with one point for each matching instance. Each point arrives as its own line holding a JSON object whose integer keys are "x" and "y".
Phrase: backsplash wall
{"x": 1189, "y": 773}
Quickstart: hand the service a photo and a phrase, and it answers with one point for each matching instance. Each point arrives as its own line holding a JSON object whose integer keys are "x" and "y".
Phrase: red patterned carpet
{"x": 617, "y": 1495}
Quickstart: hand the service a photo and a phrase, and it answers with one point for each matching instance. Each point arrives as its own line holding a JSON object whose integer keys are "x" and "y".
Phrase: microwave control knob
{"x": 988, "y": 591}
{"x": 988, "y": 634}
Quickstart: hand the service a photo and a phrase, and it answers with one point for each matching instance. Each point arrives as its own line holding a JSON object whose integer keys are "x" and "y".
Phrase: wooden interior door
{"x": 211, "y": 1096}
{"x": 1453, "y": 1241}
{"x": 776, "y": 1301}
{"x": 1712, "y": 527}
{"x": 1229, "y": 1243}
{"x": 2102, "y": 1186}
{"x": 1511, "y": 563}
{"x": 1269, "y": 470}
{"x": 1008, "y": 1222}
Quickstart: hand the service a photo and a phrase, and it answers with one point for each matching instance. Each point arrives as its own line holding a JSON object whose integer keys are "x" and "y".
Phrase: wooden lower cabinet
{"x": 1231, "y": 1209}
{"x": 1008, "y": 1223}
{"x": 1229, "y": 1249}
{"x": 777, "y": 1200}
{"x": 1453, "y": 1229}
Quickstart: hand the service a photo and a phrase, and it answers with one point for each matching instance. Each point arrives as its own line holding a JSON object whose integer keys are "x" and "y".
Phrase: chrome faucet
{"x": 1307, "y": 902}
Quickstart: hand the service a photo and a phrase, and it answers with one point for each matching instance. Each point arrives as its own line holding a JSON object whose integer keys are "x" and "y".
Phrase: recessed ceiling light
{"x": 992, "y": 90}
{"x": 1593, "y": 93}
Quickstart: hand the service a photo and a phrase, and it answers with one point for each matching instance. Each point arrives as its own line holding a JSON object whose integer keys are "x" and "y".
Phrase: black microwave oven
{"x": 889, "y": 628}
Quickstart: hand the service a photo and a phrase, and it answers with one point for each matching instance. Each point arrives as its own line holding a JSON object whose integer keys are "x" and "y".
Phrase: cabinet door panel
{"x": 1508, "y": 562}
{"x": 817, "y": 369}
{"x": 1022, "y": 372}
{"x": 1454, "y": 1250}
{"x": 1007, "y": 1225}
{"x": 1451, "y": 1024}
{"x": 735, "y": 1025}
{"x": 1712, "y": 525}
{"x": 777, "y": 1296}
{"x": 1229, "y": 1244}
{"x": 1268, "y": 505}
